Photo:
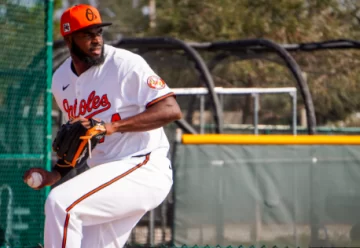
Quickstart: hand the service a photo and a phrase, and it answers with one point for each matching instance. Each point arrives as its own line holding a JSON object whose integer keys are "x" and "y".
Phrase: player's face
{"x": 88, "y": 46}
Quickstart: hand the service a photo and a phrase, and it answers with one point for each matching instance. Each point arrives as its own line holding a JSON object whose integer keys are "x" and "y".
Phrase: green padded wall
{"x": 293, "y": 195}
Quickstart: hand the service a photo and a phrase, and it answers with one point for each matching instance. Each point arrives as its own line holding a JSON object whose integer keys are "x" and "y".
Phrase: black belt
{"x": 143, "y": 155}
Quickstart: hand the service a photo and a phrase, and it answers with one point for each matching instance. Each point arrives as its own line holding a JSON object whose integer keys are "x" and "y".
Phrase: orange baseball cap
{"x": 78, "y": 17}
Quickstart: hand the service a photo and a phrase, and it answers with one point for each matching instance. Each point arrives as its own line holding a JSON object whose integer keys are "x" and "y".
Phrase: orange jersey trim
{"x": 67, "y": 219}
{"x": 159, "y": 99}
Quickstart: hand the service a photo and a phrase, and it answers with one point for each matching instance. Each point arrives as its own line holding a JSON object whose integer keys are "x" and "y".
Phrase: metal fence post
{"x": 151, "y": 227}
{"x": 202, "y": 112}
{"x": 294, "y": 114}
{"x": 256, "y": 112}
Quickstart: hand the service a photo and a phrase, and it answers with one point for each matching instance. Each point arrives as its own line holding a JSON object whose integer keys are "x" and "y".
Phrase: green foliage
{"x": 281, "y": 20}
{"x": 22, "y": 28}
{"x": 332, "y": 75}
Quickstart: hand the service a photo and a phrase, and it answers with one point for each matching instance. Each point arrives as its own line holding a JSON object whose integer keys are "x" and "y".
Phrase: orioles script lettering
{"x": 87, "y": 106}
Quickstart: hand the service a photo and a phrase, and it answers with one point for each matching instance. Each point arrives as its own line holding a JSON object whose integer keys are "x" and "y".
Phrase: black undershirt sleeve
{"x": 62, "y": 167}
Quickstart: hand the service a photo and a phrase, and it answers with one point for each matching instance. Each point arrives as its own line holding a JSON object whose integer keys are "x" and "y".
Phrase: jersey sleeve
{"x": 146, "y": 84}
{"x": 56, "y": 91}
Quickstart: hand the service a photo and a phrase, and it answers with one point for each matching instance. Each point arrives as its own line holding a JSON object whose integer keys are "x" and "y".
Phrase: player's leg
{"x": 109, "y": 235}
{"x": 55, "y": 216}
{"x": 103, "y": 194}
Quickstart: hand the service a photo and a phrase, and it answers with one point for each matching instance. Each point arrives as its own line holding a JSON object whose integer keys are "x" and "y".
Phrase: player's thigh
{"x": 133, "y": 194}
{"x": 112, "y": 234}
{"x": 114, "y": 190}
{"x": 81, "y": 185}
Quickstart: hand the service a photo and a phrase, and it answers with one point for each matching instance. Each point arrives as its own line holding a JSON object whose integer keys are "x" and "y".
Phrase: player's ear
{"x": 68, "y": 40}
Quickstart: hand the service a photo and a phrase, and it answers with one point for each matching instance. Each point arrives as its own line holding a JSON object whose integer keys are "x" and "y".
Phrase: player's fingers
{"x": 85, "y": 122}
{"x": 26, "y": 175}
{"x": 81, "y": 119}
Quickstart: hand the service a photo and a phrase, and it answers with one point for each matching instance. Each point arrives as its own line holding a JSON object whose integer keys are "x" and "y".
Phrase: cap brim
{"x": 104, "y": 24}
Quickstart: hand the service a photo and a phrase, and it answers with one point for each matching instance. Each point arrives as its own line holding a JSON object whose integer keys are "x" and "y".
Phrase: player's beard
{"x": 87, "y": 59}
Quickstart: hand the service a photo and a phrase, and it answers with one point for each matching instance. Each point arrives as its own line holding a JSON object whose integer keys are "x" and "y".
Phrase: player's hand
{"x": 85, "y": 122}
{"x": 48, "y": 178}
{"x": 109, "y": 128}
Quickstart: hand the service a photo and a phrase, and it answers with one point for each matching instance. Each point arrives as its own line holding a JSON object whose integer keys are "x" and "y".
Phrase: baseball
{"x": 34, "y": 180}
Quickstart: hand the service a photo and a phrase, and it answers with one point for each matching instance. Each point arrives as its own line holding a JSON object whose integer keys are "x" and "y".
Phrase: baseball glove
{"x": 73, "y": 142}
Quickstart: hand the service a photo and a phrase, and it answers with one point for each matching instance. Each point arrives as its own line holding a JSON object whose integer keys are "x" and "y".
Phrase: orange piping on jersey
{"x": 159, "y": 99}
{"x": 66, "y": 224}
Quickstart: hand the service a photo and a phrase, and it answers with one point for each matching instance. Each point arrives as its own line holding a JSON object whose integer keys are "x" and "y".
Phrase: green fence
{"x": 272, "y": 195}
{"x": 25, "y": 113}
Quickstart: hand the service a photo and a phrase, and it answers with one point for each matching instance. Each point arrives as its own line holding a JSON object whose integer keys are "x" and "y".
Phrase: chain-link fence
{"x": 25, "y": 113}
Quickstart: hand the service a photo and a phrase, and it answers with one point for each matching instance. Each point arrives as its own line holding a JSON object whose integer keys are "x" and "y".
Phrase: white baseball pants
{"x": 100, "y": 207}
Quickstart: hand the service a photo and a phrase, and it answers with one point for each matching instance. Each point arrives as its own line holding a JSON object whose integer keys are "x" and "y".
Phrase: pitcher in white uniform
{"x": 129, "y": 173}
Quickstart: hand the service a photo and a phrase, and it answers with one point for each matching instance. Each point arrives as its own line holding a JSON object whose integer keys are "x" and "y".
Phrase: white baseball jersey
{"x": 123, "y": 86}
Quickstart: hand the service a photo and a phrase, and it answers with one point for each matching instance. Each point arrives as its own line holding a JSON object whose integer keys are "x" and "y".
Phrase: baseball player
{"x": 129, "y": 170}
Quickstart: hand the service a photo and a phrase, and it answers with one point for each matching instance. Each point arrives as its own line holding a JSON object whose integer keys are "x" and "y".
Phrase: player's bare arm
{"x": 157, "y": 115}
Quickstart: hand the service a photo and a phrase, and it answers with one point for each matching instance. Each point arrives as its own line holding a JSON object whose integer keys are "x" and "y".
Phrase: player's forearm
{"x": 60, "y": 170}
{"x": 139, "y": 123}
{"x": 156, "y": 116}
{"x": 53, "y": 177}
